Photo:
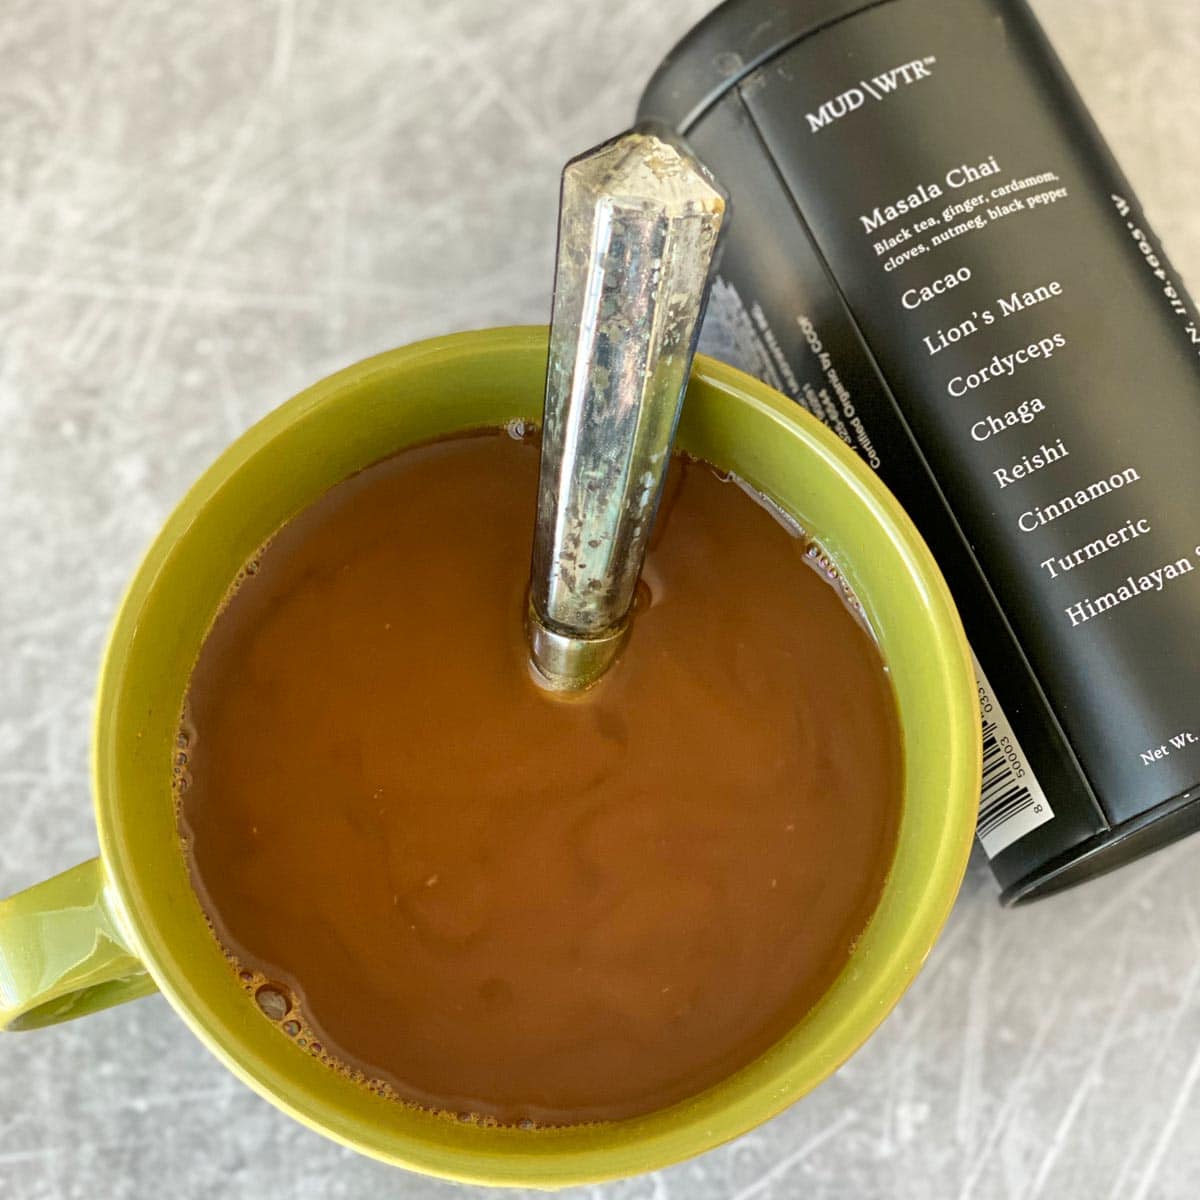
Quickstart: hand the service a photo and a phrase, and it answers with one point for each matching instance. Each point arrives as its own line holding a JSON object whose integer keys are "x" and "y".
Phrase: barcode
{"x": 1002, "y": 798}
{"x": 1011, "y": 801}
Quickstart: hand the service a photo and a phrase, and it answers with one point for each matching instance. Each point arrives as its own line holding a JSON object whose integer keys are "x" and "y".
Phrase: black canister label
{"x": 979, "y": 245}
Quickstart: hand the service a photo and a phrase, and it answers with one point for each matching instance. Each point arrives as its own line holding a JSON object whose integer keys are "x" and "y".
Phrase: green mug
{"x": 128, "y": 923}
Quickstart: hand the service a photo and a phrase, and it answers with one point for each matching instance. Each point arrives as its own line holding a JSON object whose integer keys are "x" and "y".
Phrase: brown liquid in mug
{"x": 484, "y": 899}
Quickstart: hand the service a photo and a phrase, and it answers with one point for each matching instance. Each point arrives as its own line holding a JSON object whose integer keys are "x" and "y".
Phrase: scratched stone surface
{"x": 204, "y": 207}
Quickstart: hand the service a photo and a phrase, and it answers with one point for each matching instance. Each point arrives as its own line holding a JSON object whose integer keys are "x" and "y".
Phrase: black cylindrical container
{"x": 933, "y": 251}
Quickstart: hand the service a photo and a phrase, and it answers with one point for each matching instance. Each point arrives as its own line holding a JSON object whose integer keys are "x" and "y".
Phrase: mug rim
{"x": 658, "y": 1147}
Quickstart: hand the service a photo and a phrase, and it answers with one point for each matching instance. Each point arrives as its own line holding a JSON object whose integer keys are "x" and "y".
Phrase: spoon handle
{"x": 639, "y": 220}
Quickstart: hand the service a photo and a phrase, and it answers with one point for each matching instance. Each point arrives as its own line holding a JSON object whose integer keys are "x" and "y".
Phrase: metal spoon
{"x": 639, "y": 219}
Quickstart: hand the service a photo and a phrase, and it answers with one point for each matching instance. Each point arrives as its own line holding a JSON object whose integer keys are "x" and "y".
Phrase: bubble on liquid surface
{"x": 273, "y": 1000}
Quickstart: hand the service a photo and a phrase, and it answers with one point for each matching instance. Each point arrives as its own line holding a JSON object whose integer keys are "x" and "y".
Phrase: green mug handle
{"x": 62, "y": 952}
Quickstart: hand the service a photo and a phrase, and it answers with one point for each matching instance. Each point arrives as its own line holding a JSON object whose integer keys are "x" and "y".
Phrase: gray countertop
{"x": 203, "y": 207}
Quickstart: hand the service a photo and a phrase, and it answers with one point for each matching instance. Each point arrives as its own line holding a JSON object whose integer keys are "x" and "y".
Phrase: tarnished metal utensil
{"x": 639, "y": 219}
